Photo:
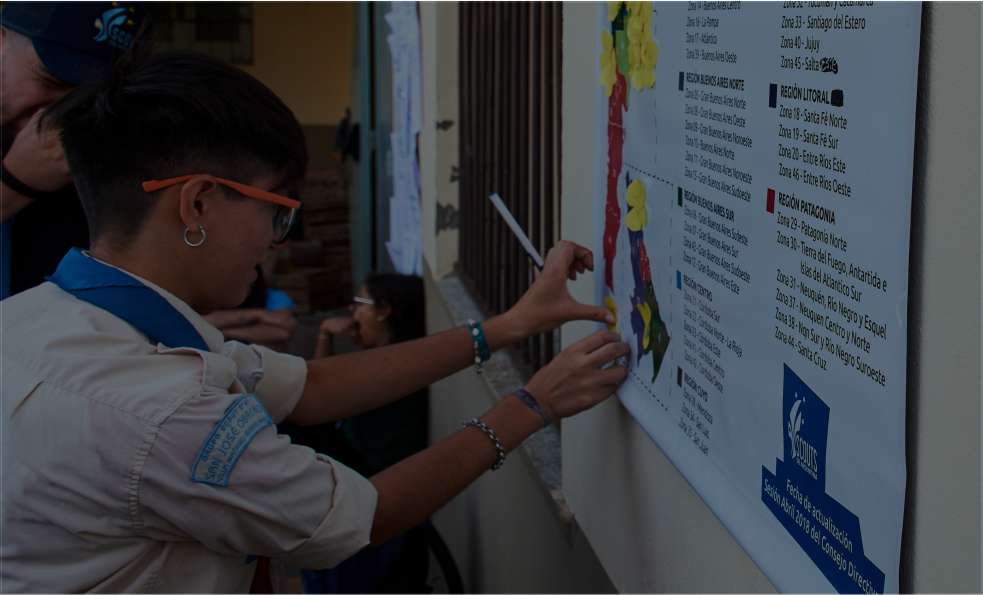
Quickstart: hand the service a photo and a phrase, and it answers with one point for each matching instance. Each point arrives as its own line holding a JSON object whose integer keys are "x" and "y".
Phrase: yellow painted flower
{"x": 642, "y": 72}
{"x": 650, "y": 54}
{"x": 646, "y": 312}
{"x": 637, "y": 215}
{"x": 642, "y": 78}
{"x": 635, "y": 197}
{"x": 635, "y": 30}
{"x": 613, "y": 9}
{"x": 643, "y": 54}
{"x": 643, "y": 75}
{"x": 609, "y": 63}
{"x": 636, "y": 218}
{"x": 612, "y": 307}
{"x": 607, "y": 40}
{"x": 634, "y": 56}
{"x": 643, "y": 12}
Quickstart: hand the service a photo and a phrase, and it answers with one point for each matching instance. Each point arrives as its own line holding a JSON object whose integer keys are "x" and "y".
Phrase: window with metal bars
{"x": 510, "y": 90}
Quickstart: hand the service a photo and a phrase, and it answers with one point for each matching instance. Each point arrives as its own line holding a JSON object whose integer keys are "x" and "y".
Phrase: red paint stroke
{"x": 616, "y": 145}
{"x": 643, "y": 262}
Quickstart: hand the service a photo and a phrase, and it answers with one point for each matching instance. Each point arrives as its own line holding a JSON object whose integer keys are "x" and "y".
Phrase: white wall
{"x": 650, "y": 530}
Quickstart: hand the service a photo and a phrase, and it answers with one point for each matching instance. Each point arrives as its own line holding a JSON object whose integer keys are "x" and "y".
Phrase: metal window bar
{"x": 510, "y": 88}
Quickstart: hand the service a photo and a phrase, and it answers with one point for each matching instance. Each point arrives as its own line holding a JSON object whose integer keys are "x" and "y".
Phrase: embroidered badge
{"x": 218, "y": 456}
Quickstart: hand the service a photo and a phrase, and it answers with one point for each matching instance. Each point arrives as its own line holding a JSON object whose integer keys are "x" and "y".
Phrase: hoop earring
{"x": 201, "y": 230}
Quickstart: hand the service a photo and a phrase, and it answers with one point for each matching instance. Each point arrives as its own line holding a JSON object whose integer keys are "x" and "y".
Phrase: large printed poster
{"x": 754, "y": 205}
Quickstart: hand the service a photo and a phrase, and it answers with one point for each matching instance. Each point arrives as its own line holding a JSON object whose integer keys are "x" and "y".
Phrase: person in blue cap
{"x": 49, "y": 48}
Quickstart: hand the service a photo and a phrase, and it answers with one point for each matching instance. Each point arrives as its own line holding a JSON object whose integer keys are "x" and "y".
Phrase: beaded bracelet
{"x": 531, "y": 402}
{"x": 499, "y": 449}
{"x": 482, "y": 353}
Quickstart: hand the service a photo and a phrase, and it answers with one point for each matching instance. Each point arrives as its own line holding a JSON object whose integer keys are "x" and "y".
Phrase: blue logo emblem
{"x": 218, "y": 456}
{"x": 802, "y": 452}
{"x": 806, "y": 419}
{"x": 110, "y": 28}
{"x": 796, "y": 494}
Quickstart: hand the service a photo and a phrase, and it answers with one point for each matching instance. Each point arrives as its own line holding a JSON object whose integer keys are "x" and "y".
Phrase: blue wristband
{"x": 277, "y": 299}
{"x": 531, "y": 402}
{"x": 482, "y": 353}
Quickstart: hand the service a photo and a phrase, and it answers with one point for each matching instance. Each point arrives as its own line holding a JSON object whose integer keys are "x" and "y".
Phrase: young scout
{"x": 140, "y": 452}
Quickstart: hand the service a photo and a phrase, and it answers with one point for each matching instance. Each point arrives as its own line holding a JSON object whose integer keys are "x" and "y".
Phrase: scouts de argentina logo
{"x": 111, "y": 27}
{"x": 826, "y": 530}
{"x": 803, "y": 453}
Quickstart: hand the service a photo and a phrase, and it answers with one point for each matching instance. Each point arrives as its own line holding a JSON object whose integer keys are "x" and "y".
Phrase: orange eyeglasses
{"x": 283, "y": 218}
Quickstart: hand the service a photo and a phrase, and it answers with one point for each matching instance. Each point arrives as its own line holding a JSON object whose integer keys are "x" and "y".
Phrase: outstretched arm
{"x": 342, "y": 386}
{"x": 572, "y": 382}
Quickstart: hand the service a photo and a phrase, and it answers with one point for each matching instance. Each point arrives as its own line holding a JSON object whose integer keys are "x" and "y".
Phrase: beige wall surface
{"x": 438, "y": 146}
{"x": 942, "y": 524}
{"x": 650, "y": 530}
{"x": 304, "y": 52}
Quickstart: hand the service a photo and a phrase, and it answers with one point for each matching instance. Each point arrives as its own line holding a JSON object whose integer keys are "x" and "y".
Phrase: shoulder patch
{"x": 218, "y": 456}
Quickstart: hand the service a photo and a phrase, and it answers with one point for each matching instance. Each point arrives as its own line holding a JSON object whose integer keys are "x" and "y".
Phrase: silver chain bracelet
{"x": 499, "y": 449}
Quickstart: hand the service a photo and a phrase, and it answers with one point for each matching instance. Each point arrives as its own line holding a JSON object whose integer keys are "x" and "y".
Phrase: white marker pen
{"x": 514, "y": 226}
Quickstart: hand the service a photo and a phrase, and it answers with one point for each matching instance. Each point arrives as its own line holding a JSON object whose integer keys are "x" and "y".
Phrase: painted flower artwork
{"x": 629, "y": 48}
{"x": 628, "y": 60}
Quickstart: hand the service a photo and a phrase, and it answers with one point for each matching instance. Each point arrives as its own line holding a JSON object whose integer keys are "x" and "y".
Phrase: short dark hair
{"x": 170, "y": 114}
{"x": 404, "y": 296}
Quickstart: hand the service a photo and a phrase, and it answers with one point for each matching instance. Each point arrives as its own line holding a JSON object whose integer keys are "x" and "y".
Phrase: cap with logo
{"x": 76, "y": 41}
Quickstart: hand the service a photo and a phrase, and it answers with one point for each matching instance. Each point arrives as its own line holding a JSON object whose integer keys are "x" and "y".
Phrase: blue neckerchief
{"x": 127, "y": 298}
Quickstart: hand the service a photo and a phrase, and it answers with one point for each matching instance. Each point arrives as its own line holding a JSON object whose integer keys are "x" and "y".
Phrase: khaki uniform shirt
{"x": 129, "y": 466}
